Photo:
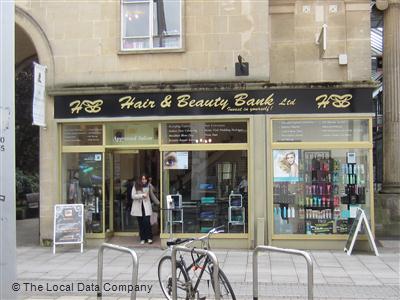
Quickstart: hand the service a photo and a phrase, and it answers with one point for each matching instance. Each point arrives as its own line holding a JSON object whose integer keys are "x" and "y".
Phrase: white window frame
{"x": 151, "y": 30}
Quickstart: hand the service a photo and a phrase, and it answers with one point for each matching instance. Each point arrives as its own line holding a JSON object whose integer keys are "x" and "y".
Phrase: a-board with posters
{"x": 68, "y": 225}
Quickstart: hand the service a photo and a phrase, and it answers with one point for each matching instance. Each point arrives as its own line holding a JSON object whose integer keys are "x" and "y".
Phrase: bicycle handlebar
{"x": 188, "y": 241}
{"x": 207, "y": 236}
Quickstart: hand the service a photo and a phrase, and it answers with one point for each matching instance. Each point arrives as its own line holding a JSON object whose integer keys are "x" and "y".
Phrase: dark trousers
{"x": 144, "y": 226}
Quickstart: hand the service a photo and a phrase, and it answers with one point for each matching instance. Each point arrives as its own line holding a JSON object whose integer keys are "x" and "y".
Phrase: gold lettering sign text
{"x": 91, "y": 107}
{"x": 243, "y": 99}
{"x": 338, "y": 101}
{"x": 187, "y": 101}
{"x": 128, "y": 102}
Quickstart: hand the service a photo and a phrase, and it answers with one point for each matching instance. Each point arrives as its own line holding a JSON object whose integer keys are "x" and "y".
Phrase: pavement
{"x": 70, "y": 274}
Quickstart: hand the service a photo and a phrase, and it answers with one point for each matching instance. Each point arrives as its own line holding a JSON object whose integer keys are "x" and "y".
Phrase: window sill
{"x": 314, "y": 236}
{"x": 224, "y": 235}
{"x": 150, "y": 51}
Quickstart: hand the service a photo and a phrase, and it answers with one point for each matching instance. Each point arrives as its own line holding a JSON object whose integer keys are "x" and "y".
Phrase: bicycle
{"x": 200, "y": 264}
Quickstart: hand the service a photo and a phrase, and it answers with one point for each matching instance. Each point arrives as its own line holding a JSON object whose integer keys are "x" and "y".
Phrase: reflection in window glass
{"x": 131, "y": 134}
{"x": 82, "y": 135}
{"x": 214, "y": 190}
{"x": 317, "y": 191}
{"x": 320, "y": 130}
{"x": 205, "y": 133}
{"x": 164, "y": 17}
{"x": 82, "y": 175}
{"x": 167, "y": 28}
{"x": 136, "y": 20}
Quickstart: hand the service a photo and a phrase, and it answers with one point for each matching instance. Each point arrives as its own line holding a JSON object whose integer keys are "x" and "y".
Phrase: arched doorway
{"x": 31, "y": 42}
{"x": 27, "y": 142}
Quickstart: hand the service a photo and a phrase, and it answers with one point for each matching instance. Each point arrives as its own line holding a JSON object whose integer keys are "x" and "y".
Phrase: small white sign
{"x": 38, "y": 105}
{"x": 353, "y": 211}
{"x": 351, "y": 157}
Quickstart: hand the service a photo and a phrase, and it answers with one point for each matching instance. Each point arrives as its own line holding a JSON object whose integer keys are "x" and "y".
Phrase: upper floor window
{"x": 151, "y": 24}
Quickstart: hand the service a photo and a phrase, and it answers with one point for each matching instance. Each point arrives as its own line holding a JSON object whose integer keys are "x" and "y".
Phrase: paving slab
{"x": 336, "y": 275}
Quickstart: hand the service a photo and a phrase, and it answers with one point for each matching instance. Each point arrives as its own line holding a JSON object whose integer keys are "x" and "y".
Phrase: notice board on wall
{"x": 68, "y": 225}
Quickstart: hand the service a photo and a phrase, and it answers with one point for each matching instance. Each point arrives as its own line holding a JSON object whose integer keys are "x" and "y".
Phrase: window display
{"x": 315, "y": 191}
{"x": 82, "y": 183}
{"x": 212, "y": 186}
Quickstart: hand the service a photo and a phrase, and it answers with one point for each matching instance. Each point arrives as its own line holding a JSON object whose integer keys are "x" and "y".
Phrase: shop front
{"x": 320, "y": 174}
{"x": 202, "y": 162}
{"x": 273, "y": 166}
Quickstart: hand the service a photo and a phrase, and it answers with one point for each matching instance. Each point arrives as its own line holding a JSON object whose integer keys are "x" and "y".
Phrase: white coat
{"x": 138, "y": 197}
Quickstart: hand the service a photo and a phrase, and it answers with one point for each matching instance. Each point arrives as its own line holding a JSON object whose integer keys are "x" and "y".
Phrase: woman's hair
{"x": 138, "y": 183}
{"x": 284, "y": 164}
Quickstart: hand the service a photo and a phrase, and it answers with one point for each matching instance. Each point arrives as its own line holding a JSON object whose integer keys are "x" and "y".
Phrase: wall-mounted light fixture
{"x": 241, "y": 67}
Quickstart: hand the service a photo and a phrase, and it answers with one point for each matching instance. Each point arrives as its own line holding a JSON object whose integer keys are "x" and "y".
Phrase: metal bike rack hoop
{"x": 135, "y": 267}
{"x": 210, "y": 254}
{"x": 307, "y": 257}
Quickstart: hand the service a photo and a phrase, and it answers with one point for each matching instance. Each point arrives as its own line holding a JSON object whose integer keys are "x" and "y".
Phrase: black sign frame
{"x": 68, "y": 223}
{"x": 234, "y": 102}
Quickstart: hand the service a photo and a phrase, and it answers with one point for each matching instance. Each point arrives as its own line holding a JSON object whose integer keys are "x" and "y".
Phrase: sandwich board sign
{"x": 355, "y": 229}
{"x": 68, "y": 225}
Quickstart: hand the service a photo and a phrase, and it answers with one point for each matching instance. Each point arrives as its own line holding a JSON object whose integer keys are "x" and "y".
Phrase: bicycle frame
{"x": 205, "y": 244}
{"x": 194, "y": 264}
{"x": 203, "y": 253}
{"x": 210, "y": 255}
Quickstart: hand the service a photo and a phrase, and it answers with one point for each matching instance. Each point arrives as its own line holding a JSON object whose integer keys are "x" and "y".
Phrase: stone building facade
{"x": 82, "y": 44}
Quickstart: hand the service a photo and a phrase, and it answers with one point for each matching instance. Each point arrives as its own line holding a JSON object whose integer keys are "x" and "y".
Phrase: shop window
{"x": 131, "y": 134}
{"x": 82, "y": 178}
{"x": 317, "y": 191}
{"x": 205, "y": 133}
{"x": 209, "y": 189}
{"x": 326, "y": 130}
{"x": 82, "y": 135}
{"x": 151, "y": 24}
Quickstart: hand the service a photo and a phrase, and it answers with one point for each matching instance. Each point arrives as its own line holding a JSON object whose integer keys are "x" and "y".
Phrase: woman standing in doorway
{"x": 142, "y": 195}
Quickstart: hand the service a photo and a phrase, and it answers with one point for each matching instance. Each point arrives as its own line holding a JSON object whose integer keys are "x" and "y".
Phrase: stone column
{"x": 390, "y": 194}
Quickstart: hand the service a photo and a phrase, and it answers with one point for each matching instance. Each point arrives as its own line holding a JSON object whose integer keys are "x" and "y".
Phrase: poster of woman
{"x": 286, "y": 165}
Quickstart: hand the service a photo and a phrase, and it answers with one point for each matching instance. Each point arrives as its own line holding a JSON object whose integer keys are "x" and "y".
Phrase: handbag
{"x": 154, "y": 218}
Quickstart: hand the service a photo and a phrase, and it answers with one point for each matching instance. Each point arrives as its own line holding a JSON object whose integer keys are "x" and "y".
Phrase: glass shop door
{"x": 127, "y": 168}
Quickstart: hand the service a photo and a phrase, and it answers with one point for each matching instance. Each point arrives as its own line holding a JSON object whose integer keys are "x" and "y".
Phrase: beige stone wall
{"x": 295, "y": 55}
{"x": 84, "y": 37}
{"x": 48, "y": 170}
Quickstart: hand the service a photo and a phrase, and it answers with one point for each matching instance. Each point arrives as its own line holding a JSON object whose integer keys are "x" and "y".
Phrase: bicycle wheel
{"x": 165, "y": 279}
{"x": 225, "y": 288}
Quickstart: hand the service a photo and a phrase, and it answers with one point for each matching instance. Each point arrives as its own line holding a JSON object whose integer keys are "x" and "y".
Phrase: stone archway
{"x": 32, "y": 44}
{"x": 31, "y": 40}
{"x": 26, "y": 143}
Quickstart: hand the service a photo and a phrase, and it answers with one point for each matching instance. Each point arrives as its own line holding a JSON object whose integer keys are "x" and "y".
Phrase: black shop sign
{"x": 266, "y": 101}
